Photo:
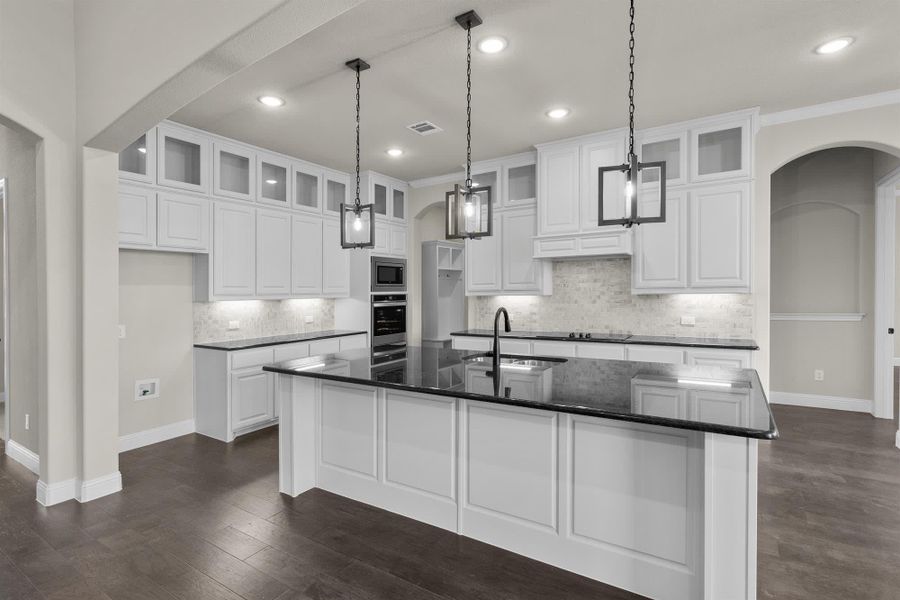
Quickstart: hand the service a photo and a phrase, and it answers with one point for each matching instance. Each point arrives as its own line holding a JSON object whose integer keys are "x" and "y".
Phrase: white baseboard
{"x": 154, "y": 436}
{"x": 100, "y": 486}
{"x": 24, "y": 456}
{"x": 55, "y": 493}
{"x": 897, "y": 361}
{"x": 897, "y": 439}
{"x": 816, "y": 401}
{"x": 83, "y": 491}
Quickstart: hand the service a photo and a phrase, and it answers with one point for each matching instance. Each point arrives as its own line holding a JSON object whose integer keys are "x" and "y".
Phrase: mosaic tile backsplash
{"x": 260, "y": 318}
{"x": 595, "y": 295}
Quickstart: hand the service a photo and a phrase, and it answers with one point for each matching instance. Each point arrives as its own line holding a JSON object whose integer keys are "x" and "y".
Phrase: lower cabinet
{"x": 234, "y": 396}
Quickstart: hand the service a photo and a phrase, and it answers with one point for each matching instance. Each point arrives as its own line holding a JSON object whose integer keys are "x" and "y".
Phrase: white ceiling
{"x": 694, "y": 58}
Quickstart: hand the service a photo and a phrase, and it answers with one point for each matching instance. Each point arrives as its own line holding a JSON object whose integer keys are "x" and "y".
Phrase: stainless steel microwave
{"x": 388, "y": 274}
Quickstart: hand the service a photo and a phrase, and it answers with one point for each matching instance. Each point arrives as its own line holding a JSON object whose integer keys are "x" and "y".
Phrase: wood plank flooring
{"x": 199, "y": 519}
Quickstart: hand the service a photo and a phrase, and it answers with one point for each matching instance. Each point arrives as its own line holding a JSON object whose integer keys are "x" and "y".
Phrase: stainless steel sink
{"x": 517, "y": 362}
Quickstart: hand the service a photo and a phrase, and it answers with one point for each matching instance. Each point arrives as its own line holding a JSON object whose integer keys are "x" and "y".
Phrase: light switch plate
{"x": 689, "y": 320}
{"x": 819, "y": 375}
{"x": 232, "y": 325}
{"x": 121, "y": 332}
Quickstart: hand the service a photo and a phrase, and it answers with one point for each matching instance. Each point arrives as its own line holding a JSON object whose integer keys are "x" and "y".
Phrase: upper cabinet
{"x": 386, "y": 193}
{"x": 182, "y": 158}
{"x": 137, "y": 162}
{"x": 308, "y": 188}
{"x": 234, "y": 171}
{"x": 668, "y": 146}
{"x": 721, "y": 150}
{"x": 512, "y": 179}
{"x": 337, "y": 187}
{"x": 274, "y": 182}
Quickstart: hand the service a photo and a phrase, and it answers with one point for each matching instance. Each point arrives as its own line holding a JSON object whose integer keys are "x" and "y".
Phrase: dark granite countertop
{"x": 709, "y": 399}
{"x": 622, "y": 338}
{"x": 276, "y": 340}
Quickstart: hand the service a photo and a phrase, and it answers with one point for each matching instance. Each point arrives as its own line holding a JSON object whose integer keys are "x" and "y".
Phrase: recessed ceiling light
{"x": 558, "y": 113}
{"x": 271, "y": 181}
{"x": 492, "y": 45}
{"x": 833, "y": 46}
{"x": 273, "y": 101}
{"x": 395, "y": 152}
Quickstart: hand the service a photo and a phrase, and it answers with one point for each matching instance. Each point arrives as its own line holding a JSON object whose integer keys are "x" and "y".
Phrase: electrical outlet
{"x": 121, "y": 332}
{"x": 27, "y": 421}
{"x": 232, "y": 325}
{"x": 819, "y": 375}
{"x": 688, "y": 320}
{"x": 308, "y": 319}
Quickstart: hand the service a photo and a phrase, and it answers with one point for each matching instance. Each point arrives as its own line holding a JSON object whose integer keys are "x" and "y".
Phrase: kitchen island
{"x": 640, "y": 475}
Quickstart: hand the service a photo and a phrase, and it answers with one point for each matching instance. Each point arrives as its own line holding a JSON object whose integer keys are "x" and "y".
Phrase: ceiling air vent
{"x": 424, "y": 128}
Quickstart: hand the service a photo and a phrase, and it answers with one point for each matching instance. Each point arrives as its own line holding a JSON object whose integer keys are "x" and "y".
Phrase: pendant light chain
{"x": 631, "y": 83}
{"x": 357, "y": 140}
{"x": 469, "y": 107}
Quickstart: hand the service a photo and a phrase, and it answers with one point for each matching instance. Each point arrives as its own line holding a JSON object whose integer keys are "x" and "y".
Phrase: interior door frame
{"x": 4, "y": 265}
{"x": 886, "y": 195}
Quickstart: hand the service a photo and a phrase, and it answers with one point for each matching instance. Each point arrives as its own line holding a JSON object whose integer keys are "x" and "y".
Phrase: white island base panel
{"x": 666, "y": 513}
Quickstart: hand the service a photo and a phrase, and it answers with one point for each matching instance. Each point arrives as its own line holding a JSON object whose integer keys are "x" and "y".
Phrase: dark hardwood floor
{"x": 200, "y": 519}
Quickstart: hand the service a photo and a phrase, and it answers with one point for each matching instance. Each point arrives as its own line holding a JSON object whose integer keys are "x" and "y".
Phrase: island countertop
{"x": 701, "y": 398}
{"x": 725, "y": 343}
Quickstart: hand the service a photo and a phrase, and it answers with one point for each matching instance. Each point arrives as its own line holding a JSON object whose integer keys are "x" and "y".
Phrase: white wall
{"x": 823, "y": 261}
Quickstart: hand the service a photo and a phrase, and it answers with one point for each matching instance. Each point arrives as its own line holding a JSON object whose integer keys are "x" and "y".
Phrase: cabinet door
{"x": 558, "y": 190}
{"x": 182, "y": 222}
{"x": 307, "y": 187}
{"x": 274, "y": 182}
{"x": 336, "y": 261}
{"x": 336, "y": 186}
{"x": 252, "y": 399}
{"x": 398, "y": 240}
{"x": 606, "y": 153}
{"x": 138, "y": 161}
{"x": 720, "y": 151}
{"x": 521, "y": 272}
{"x": 712, "y": 357}
{"x": 382, "y": 238}
{"x": 658, "y": 400}
{"x": 720, "y": 237}
{"x": 660, "y": 249}
{"x": 670, "y": 147}
{"x": 601, "y": 350}
{"x": 137, "y": 217}
{"x": 657, "y": 354}
{"x": 483, "y": 263}
{"x": 379, "y": 194}
{"x": 554, "y": 348}
{"x": 182, "y": 159}
{"x": 398, "y": 203}
{"x": 725, "y": 408}
{"x": 306, "y": 256}
{"x": 352, "y": 342}
{"x": 273, "y": 253}
{"x": 520, "y": 183}
{"x": 489, "y": 177}
{"x": 234, "y": 171}
{"x": 234, "y": 251}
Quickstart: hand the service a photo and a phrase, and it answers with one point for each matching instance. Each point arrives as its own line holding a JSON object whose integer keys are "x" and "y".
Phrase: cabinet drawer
{"x": 515, "y": 347}
{"x": 291, "y": 351}
{"x": 566, "y": 349}
{"x": 475, "y": 344}
{"x": 256, "y": 357}
{"x": 351, "y": 342}
{"x": 328, "y": 346}
{"x": 601, "y": 351}
{"x": 712, "y": 357}
{"x": 657, "y": 354}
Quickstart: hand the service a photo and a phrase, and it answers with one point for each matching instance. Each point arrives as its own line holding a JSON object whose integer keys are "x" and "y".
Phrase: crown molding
{"x": 830, "y": 108}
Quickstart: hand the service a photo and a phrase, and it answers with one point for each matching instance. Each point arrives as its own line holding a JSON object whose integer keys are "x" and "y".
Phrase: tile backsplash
{"x": 595, "y": 295}
{"x": 260, "y": 318}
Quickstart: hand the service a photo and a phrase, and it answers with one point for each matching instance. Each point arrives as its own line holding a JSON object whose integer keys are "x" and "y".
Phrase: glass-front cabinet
{"x": 138, "y": 161}
{"x": 234, "y": 171}
{"x": 398, "y": 204}
{"x": 668, "y": 147}
{"x": 380, "y": 198}
{"x": 521, "y": 184}
{"x": 182, "y": 159}
{"x": 337, "y": 186}
{"x": 489, "y": 178}
{"x": 307, "y": 187}
{"x": 274, "y": 184}
{"x": 720, "y": 151}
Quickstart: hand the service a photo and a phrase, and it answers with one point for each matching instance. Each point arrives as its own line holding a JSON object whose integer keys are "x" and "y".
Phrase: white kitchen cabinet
{"x": 273, "y": 253}
{"x": 669, "y": 145}
{"x": 234, "y": 171}
{"x": 660, "y": 249}
{"x": 520, "y": 181}
{"x": 307, "y": 257}
{"x": 336, "y": 261}
{"x": 137, "y": 217}
{"x": 234, "y": 251}
{"x": 483, "y": 263}
{"x": 382, "y": 238}
{"x": 252, "y": 399}
{"x": 720, "y": 357}
{"x": 721, "y": 149}
{"x": 554, "y": 348}
{"x": 719, "y": 240}
{"x": 398, "y": 202}
{"x": 398, "y": 240}
{"x": 182, "y": 223}
{"x": 353, "y": 342}
{"x": 600, "y": 350}
{"x": 606, "y": 152}
{"x": 379, "y": 192}
{"x": 307, "y": 188}
{"x": 326, "y": 346}
{"x": 559, "y": 190}
{"x": 337, "y": 186}
{"x": 520, "y": 272}
{"x": 722, "y": 407}
{"x": 274, "y": 181}
{"x": 137, "y": 162}
{"x": 657, "y": 354}
{"x": 656, "y": 399}
{"x": 182, "y": 158}
{"x": 472, "y": 343}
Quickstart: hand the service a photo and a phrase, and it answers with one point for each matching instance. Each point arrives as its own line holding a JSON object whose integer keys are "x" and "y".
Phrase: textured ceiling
{"x": 694, "y": 58}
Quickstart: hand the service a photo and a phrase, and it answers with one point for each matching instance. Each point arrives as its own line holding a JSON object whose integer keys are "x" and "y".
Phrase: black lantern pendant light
{"x": 469, "y": 210}
{"x": 634, "y": 180}
{"x": 357, "y": 220}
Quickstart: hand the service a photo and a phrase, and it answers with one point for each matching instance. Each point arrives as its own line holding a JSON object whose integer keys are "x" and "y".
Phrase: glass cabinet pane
{"x": 719, "y": 151}
{"x": 133, "y": 159}
{"x": 663, "y": 150}
{"x": 488, "y": 179}
{"x": 336, "y": 194}
{"x": 234, "y": 172}
{"x": 399, "y": 204}
{"x": 183, "y": 160}
{"x": 380, "y": 199}
{"x": 274, "y": 182}
{"x": 522, "y": 183}
{"x": 306, "y": 190}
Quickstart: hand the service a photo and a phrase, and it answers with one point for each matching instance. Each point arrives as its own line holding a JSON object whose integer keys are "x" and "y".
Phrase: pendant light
{"x": 469, "y": 209}
{"x": 357, "y": 220}
{"x": 636, "y": 183}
